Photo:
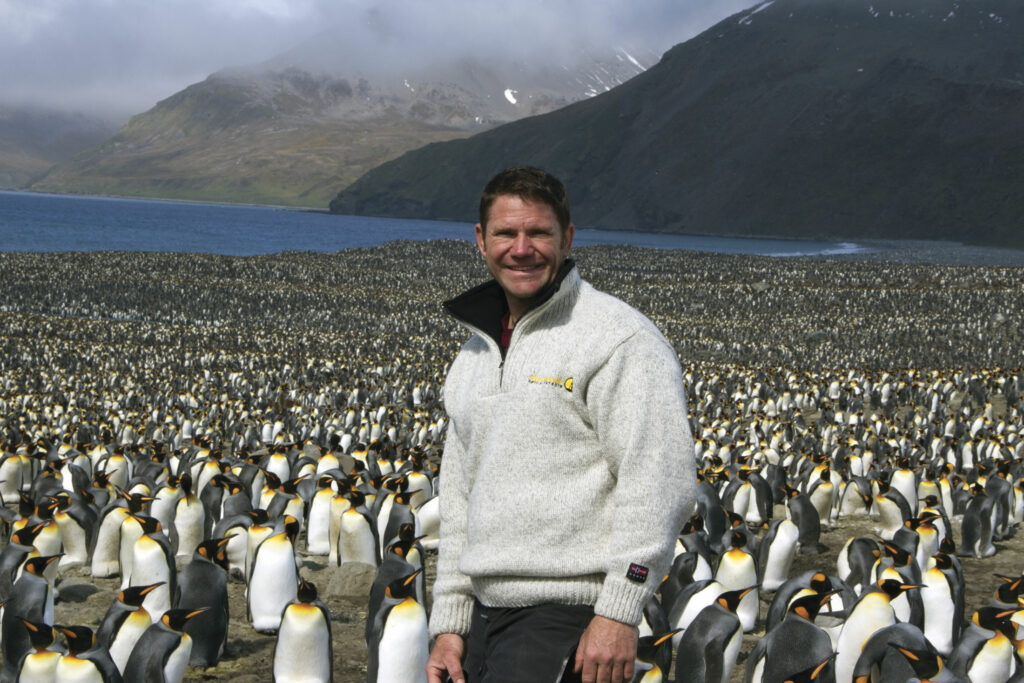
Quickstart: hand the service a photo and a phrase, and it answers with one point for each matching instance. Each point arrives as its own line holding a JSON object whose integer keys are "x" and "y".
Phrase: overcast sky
{"x": 125, "y": 55}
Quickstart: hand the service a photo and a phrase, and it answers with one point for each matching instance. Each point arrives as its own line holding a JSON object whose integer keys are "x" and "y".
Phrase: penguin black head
{"x": 996, "y": 619}
{"x": 356, "y": 498}
{"x": 407, "y": 532}
{"x": 175, "y": 619}
{"x": 134, "y": 595}
{"x": 259, "y": 516}
{"x": 947, "y": 546}
{"x": 808, "y": 606}
{"x": 942, "y": 560}
{"x": 738, "y": 539}
{"x": 894, "y": 588}
{"x": 900, "y": 557}
{"x": 213, "y": 550}
{"x": 306, "y": 592}
{"x": 730, "y": 600}
{"x": 1010, "y": 588}
{"x": 291, "y": 528}
{"x": 150, "y": 525}
{"x": 79, "y": 638}
{"x": 39, "y": 634}
{"x": 647, "y": 648}
{"x": 26, "y": 535}
{"x": 926, "y": 664}
{"x": 693, "y": 525}
{"x": 403, "y": 587}
{"x": 36, "y": 565}
{"x": 820, "y": 583}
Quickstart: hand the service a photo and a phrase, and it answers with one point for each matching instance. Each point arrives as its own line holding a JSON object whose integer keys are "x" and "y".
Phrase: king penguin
{"x": 795, "y": 644}
{"x": 203, "y": 582}
{"x": 708, "y": 649}
{"x": 161, "y": 655}
{"x": 87, "y": 661}
{"x": 124, "y": 623}
{"x": 303, "y": 651}
{"x": 872, "y": 613}
{"x": 40, "y": 662}
{"x": 273, "y": 579}
{"x": 397, "y": 644}
{"x": 737, "y": 569}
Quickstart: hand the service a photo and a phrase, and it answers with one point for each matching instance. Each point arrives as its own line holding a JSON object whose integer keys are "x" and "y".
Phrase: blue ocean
{"x": 47, "y": 222}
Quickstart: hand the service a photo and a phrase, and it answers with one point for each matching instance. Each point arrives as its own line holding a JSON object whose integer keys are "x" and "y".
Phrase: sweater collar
{"x": 483, "y": 306}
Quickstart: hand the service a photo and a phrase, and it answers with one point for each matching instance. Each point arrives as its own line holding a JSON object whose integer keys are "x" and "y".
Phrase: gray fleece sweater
{"x": 568, "y": 468}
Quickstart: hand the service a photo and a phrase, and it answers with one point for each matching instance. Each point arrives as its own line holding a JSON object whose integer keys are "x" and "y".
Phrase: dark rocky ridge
{"x": 807, "y": 118}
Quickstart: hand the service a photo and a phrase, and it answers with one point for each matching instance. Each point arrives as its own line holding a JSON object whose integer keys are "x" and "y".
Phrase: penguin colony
{"x": 195, "y": 438}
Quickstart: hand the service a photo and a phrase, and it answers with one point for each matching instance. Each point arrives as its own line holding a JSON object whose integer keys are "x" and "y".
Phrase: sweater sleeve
{"x": 453, "y": 597}
{"x": 638, "y": 405}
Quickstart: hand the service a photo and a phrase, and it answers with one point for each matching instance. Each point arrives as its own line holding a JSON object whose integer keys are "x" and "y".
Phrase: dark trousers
{"x": 516, "y": 644}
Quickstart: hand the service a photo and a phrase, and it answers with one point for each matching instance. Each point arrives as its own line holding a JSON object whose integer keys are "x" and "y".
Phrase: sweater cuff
{"x": 451, "y": 614}
{"x": 622, "y": 600}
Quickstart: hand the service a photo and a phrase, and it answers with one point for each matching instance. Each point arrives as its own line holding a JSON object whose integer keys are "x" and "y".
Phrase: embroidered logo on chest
{"x": 552, "y": 381}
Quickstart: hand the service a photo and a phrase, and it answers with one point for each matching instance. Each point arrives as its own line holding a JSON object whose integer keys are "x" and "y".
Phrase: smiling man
{"x": 568, "y": 467}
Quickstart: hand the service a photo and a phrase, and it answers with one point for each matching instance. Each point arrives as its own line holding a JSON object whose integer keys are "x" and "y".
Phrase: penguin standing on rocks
{"x": 737, "y": 569}
{"x": 397, "y": 641}
{"x": 795, "y": 643}
{"x": 708, "y": 650}
{"x": 273, "y": 579}
{"x": 124, "y": 623}
{"x": 153, "y": 563}
{"x": 801, "y": 511}
{"x": 40, "y": 662}
{"x": 204, "y": 583}
{"x": 777, "y": 550}
{"x": 87, "y": 659}
{"x": 871, "y": 614}
{"x": 303, "y": 651}
{"x": 161, "y": 655}
{"x": 986, "y": 650}
{"x": 31, "y": 600}
{"x": 978, "y": 525}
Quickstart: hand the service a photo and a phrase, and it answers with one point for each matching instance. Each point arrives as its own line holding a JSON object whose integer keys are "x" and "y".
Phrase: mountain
{"x": 797, "y": 118}
{"x": 32, "y": 139}
{"x": 288, "y": 133}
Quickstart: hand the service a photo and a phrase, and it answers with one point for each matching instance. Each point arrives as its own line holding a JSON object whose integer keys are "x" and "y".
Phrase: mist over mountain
{"x": 32, "y": 139}
{"x": 808, "y": 118}
{"x": 293, "y": 130}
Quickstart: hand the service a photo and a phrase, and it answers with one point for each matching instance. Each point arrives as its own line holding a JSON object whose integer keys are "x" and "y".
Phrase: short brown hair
{"x": 530, "y": 183}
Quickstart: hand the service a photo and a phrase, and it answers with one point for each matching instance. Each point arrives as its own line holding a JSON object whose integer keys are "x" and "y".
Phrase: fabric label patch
{"x": 637, "y": 572}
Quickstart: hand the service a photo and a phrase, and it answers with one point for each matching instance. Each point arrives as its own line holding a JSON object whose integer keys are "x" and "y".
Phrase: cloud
{"x": 122, "y": 56}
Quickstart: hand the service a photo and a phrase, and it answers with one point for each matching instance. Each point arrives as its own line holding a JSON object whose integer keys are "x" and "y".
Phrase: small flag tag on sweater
{"x": 636, "y": 572}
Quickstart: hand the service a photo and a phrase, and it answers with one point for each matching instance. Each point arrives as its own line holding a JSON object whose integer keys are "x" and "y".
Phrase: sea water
{"x": 49, "y": 222}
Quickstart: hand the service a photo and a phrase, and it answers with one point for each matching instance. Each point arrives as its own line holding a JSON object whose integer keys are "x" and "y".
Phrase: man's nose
{"x": 521, "y": 245}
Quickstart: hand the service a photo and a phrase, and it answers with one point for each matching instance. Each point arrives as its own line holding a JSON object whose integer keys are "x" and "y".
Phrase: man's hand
{"x": 607, "y": 651}
{"x": 446, "y": 657}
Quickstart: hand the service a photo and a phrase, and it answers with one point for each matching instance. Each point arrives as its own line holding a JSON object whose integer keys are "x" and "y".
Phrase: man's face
{"x": 523, "y": 247}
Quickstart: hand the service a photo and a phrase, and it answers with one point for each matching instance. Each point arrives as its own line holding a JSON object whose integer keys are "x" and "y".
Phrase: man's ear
{"x": 480, "y": 240}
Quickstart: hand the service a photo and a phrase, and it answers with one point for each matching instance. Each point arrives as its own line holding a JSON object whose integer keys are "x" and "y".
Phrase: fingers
{"x": 446, "y": 657}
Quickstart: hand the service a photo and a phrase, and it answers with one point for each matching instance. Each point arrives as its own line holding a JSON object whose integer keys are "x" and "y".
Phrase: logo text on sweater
{"x": 552, "y": 381}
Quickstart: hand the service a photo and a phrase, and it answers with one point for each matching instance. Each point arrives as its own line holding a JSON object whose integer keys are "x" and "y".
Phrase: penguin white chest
{"x": 403, "y": 651}
{"x": 303, "y": 644}
{"x": 177, "y": 662}
{"x": 74, "y": 670}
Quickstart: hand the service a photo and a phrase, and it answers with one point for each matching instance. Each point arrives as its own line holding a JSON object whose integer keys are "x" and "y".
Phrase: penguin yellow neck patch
{"x": 637, "y": 572}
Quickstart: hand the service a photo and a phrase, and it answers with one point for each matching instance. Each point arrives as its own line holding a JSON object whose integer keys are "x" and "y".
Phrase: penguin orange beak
{"x": 152, "y": 588}
{"x": 409, "y": 579}
{"x": 196, "y": 613}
